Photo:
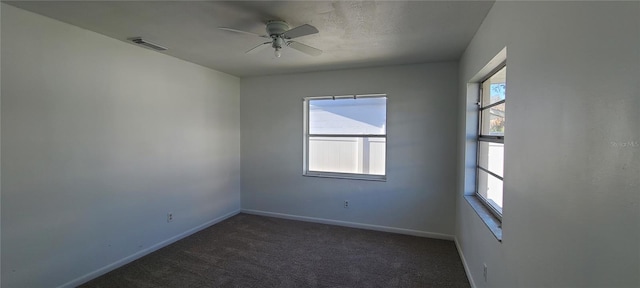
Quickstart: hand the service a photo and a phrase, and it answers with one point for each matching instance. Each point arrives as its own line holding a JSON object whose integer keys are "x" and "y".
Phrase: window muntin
{"x": 345, "y": 136}
{"x": 491, "y": 131}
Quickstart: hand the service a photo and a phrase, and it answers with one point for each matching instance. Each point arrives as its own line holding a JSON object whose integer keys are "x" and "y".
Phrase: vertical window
{"x": 491, "y": 131}
{"x": 346, "y": 136}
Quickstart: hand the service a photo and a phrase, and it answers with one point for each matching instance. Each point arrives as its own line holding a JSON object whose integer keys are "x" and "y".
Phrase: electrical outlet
{"x": 169, "y": 217}
{"x": 484, "y": 271}
{"x": 346, "y": 203}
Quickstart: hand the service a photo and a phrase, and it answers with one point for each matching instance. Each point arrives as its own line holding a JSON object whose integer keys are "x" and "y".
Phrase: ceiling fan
{"x": 281, "y": 35}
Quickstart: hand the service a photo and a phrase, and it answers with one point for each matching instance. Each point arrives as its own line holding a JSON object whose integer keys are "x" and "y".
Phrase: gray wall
{"x": 420, "y": 191}
{"x": 100, "y": 139}
{"x": 572, "y": 156}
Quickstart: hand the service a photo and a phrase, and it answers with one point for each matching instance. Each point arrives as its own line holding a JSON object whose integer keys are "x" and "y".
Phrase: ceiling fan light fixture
{"x": 277, "y": 52}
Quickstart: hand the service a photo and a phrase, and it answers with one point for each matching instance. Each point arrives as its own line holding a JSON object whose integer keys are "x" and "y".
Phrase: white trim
{"x": 353, "y": 176}
{"x": 352, "y": 224}
{"x": 305, "y": 136}
{"x": 464, "y": 263}
{"x": 101, "y": 271}
{"x": 352, "y": 96}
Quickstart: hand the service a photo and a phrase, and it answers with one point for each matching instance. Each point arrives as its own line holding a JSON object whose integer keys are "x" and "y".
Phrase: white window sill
{"x": 487, "y": 217}
{"x": 366, "y": 177}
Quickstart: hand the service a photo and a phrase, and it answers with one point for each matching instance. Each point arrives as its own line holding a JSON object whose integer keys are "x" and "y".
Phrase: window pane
{"x": 357, "y": 155}
{"x": 494, "y": 89}
{"x": 376, "y": 156}
{"x": 359, "y": 116}
{"x": 491, "y": 157}
{"x": 490, "y": 188}
{"x": 493, "y": 120}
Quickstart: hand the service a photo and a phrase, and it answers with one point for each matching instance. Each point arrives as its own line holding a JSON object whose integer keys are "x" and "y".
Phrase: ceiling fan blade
{"x": 300, "y": 31}
{"x": 304, "y": 48}
{"x": 258, "y": 48}
{"x": 242, "y": 32}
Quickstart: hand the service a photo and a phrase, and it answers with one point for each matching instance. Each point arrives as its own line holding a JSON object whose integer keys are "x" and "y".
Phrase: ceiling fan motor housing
{"x": 276, "y": 27}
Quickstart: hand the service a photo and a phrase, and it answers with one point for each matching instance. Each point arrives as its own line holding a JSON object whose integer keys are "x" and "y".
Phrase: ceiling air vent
{"x": 140, "y": 41}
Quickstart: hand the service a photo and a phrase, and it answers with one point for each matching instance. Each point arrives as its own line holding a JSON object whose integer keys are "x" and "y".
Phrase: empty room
{"x": 320, "y": 144}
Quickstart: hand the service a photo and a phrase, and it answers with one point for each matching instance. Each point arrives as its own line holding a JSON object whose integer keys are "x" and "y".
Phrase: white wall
{"x": 0, "y": 149}
{"x": 100, "y": 139}
{"x": 419, "y": 193}
{"x": 572, "y": 156}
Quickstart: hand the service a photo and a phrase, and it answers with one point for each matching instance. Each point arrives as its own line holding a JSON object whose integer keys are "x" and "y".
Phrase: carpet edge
{"x": 119, "y": 263}
{"x": 404, "y": 231}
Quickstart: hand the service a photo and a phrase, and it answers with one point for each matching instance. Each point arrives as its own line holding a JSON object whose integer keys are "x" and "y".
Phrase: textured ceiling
{"x": 352, "y": 33}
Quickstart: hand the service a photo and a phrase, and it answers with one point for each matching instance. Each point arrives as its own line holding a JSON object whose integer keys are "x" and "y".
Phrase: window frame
{"x": 488, "y": 139}
{"x": 307, "y": 135}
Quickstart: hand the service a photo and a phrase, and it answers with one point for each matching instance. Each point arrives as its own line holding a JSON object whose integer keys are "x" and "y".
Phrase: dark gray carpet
{"x": 256, "y": 251}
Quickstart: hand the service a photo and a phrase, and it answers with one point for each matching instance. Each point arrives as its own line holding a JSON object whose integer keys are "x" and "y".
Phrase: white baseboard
{"x": 351, "y": 224}
{"x": 141, "y": 253}
{"x": 464, "y": 263}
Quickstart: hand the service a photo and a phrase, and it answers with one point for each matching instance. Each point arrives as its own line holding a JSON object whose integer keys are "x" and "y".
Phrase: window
{"x": 346, "y": 136}
{"x": 490, "y": 161}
